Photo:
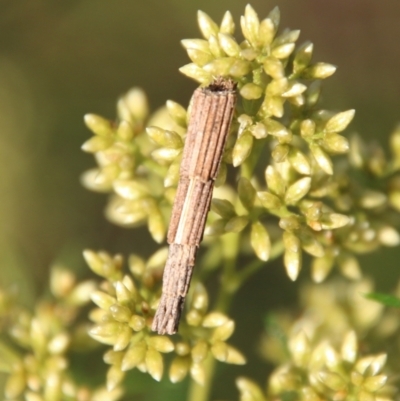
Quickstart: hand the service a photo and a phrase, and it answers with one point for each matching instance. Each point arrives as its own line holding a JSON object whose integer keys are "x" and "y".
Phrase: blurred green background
{"x": 60, "y": 59}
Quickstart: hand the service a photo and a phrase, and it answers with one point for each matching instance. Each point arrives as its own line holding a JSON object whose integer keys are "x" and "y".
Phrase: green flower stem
{"x": 242, "y": 276}
{"x": 198, "y": 392}
{"x": 230, "y": 249}
{"x": 247, "y": 168}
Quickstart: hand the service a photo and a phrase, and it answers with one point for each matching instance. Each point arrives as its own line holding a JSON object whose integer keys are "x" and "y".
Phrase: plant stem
{"x": 197, "y": 392}
{"x": 230, "y": 245}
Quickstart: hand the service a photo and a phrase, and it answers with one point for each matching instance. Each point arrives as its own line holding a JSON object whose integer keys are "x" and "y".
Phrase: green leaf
{"x": 385, "y": 299}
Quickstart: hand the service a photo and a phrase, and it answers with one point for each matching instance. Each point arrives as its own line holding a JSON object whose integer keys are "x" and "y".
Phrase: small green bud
{"x": 335, "y": 143}
{"x": 276, "y": 129}
{"x": 242, "y": 148}
{"x": 120, "y": 313}
{"x": 312, "y": 246}
{"x": 98, "y": 125}
{"x": 199, "y": 351}
{"x": 300, "y": 349}
{"x": 250, "y": 25}
{"x": 303, "y": 57}
{"x": 349, "y": 347}
{"x": 350, "y": 267}
{"x": 182, "y": 348}
{"x": 229, "y": 45}
{"x": 158, "y": 259}
{"x": 280, "y": 152}
{"x": 266, "y": 32}
{"x": 179, "y": 369}
{"x": 199, "y": 57}
{"x": 217, "y": 227}
{"x": 207, "y": 26}
{"x": 223, "y": 332}
{"x": 133, "y": 106}
{"x": 215, "y": 48}
{"x": 246, "y": 192}
{"x": 333, "y": 381}
{"x": 106, "y": 333}
{"x": 167, "y": 139}
{"x": 334, "y": 220}
{"x": 197, "y": 373}
{"x": 260, "y": 241}
{"x": 223, "y": 207}
{"x": 240, "y": 68}
{"x": 125, "y": 131}
{"x": 372, "y": 199}
{"x": 197, "y": 73}
{"x": 220, "y": 66}
{"x": 134, "y": 356}
{"x": 234, "y": 356}
{"x": 299, "y": 161}
{"x": 154, "y": 364}
{"x": 59, "y": 343}
{"x": 250, "y": 388}
{"x": 251, "y": 91}
{"x": 220, "y": 351}
{"x": 259, "y": 130}
{"x": 374, "y": 383}
{"x": 156, "y": 225}
{"x": 124, "y": 296}
{"x": 103, "y": 300}
{"x": 323, "y": 160}
{"x": 291, "y": 242}
{"x": 307, "y": 128}
{"x": 268, "y": 200}
{"x": 123, "y": 338}
{"x": 137, "y": 323}
{"x": 277, "y": 86}
{"x": 130, "y": 189}
{"x": 97, "y": 144}
{"x": 199, "y": 298}
{"x": 199, "y": 44}
{"x": 283, "y": 51}
{"x": 321, "y": 267}
{"x": 340, "y": 121}
{"x": 298, "y": 190}
{"x": 275, "y": 16}
{"x": 172, "y": 177}
{"x": 236, "y": 224}
{"x": 319, "y": 71}
{"x": 274, "y": 181}
{"x": 177, "y": 113}
{"x": 114, "y": 377}
{"x": 287, "y": 37}
{"x": 193, "y": 318}
{"x": 295, "y": 89}
{"x": 227, "y": 24}
{"x": 388, "y": 236}
{"x": 274, "y": 68}
{"x": 165, "y": 155}
{"x": 249, "y": 54}
{"x": 292, "y": 262}
{"x": 160, "y": 343}
{"x": 272, "y": 106}
{"x": 214, "y": 319}
{"x": 62, "y": 281}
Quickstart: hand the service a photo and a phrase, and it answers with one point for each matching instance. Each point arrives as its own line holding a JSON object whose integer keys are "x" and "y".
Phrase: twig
{"x": 211, "y": 116}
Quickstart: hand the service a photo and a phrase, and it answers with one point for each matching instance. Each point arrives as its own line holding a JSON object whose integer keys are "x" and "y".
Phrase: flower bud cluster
{"x": 319, "y": 355}
{"x": 123, "y": 319}
{"x": 34, "y": 349}
{"x": 131, "y": 165}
